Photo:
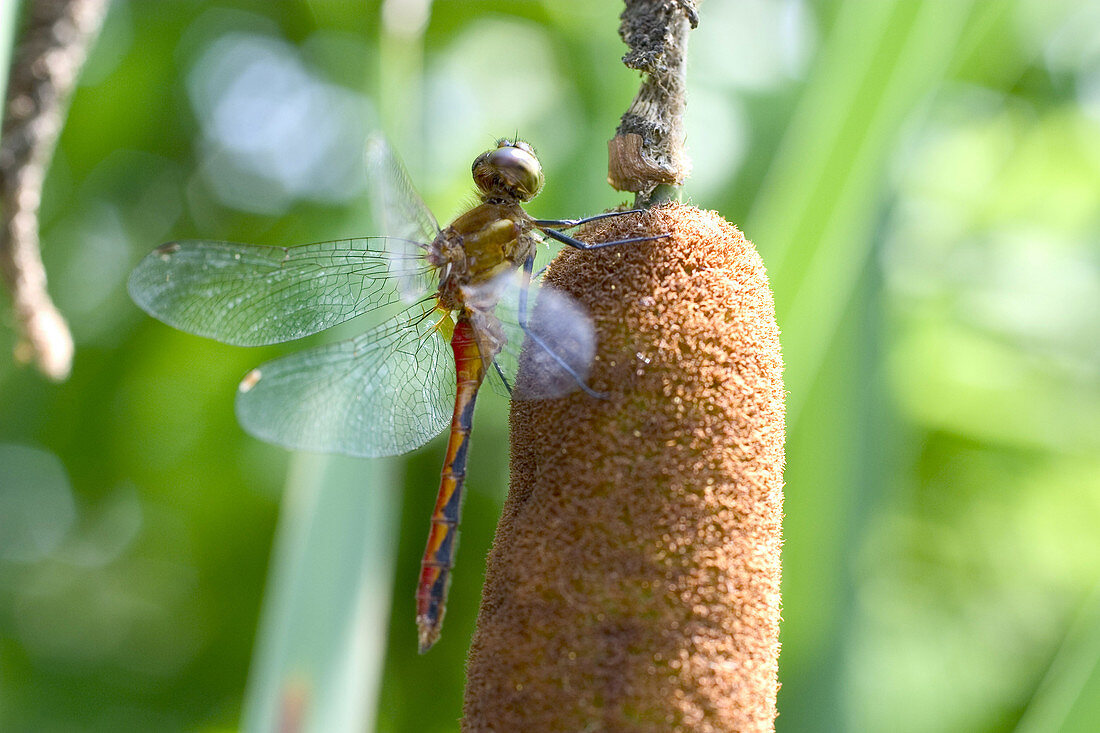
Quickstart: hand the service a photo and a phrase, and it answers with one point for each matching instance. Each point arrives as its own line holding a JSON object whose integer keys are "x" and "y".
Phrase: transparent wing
{"x": 549, "y": 342}
{"x": 384, "y": 393}
{"x": 398, "y": 210}
{"x": 250, "y": 295}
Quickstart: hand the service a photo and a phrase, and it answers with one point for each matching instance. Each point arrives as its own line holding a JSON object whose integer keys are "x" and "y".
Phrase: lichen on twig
{"x": 44, "y": 70}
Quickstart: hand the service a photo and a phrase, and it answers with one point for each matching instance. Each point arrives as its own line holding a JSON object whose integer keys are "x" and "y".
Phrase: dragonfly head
{"x": 511, "y": 171}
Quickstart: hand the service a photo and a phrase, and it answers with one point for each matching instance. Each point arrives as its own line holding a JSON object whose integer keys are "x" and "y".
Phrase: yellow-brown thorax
{"x": 486, "y": 241}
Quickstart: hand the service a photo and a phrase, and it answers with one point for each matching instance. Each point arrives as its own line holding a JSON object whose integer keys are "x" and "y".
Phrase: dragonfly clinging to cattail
{"x": 393, "y": 388}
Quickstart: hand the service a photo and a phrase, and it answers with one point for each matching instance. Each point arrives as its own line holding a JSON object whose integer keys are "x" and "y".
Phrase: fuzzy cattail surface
{"x": 633, "y": 583}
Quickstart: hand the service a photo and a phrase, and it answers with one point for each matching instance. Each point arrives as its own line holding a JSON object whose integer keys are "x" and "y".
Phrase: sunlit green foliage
{"x": 923, "y": 182}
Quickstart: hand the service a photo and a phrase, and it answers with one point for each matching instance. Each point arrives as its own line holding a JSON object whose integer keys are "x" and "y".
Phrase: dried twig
{"x": 648, "y": 147}
{"x": 44, "y": 71}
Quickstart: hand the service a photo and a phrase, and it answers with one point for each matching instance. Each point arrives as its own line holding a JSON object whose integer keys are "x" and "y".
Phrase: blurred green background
{"x": 922, "y": 180}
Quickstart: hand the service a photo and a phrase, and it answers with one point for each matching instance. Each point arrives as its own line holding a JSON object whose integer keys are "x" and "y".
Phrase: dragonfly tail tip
{"x": 428, "y": 632}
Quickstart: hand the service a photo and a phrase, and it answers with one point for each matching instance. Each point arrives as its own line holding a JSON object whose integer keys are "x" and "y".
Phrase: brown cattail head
{"x": 634, "y": 581}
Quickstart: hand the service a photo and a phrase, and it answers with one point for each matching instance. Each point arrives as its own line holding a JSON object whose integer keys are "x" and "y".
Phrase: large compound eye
{"x": 520, "y": 167}
{"x": 510, "y": 169}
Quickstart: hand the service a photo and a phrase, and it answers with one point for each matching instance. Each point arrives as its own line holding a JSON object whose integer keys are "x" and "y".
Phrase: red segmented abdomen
{"x": 435, "y": 568}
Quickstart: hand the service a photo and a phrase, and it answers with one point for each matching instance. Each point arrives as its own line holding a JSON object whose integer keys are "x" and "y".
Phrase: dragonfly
{"x": 473, "y": 309}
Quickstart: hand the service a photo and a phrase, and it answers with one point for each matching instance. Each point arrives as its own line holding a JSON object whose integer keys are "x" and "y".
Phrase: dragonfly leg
{"x": 570, "y": 223}
{"x": 578, "y": 244}
{"x": 504, "y": 379}
{"x": 523, "y": 324}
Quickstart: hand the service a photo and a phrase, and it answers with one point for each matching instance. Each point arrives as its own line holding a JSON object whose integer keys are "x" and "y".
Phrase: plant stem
{"x": 648, "y": 147}
{"x": 43, "y": 73}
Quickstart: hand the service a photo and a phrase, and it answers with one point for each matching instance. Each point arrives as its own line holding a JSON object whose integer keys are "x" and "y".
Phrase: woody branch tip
{"x": 44, "y": 70}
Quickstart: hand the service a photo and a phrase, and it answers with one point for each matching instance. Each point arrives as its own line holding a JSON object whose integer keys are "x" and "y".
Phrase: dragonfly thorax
{"x": 486, "y": 241}
{"x": 509, "y": 173}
